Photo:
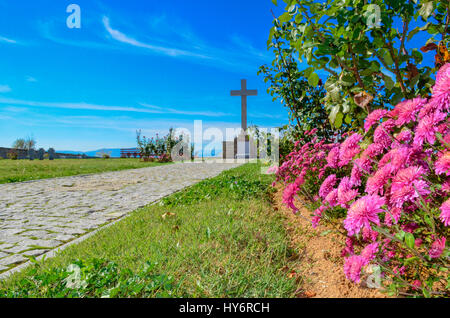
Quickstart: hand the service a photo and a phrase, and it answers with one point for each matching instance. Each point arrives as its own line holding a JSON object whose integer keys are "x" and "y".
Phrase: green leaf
{"x": 338, "y": 120}
{"x": 285, "y": 17}
{"x": 348, "y": 119}
{"x": 409, "y": 240}
{"x": 313, "y": 79}
{"x": 387, "y": 57}
{"x": 274, "y": 2}
{"x": 388, "y": 82}
{"x": 333, "y": 113}
{"x": 400, "y": 235}
{"x": 426, "y": 10}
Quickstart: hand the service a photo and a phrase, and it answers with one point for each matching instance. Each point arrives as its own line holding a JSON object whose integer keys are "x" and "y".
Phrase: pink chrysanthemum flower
{"x": 348, "y": 249}
{"x": 442, "y": 165}
{"x": 332, "y": 198}
{"x": 446, "y": 186}
{"x": 369, "y": 252}
{"x": 369, "y": 235}
{"x": 372, "y": 151}
{"x": 382, "y": 133}
{"x": 404, "y": 136}
{"x": 397, "y": 158}
{"x": 327, "y": 186}
{"x": 353, "y": 266}
{"x": 318, "y": 216}
{"x": 392, "y": 216}
{"x": 408, "y": 185}
{"x": 437, "y": 248}
{"x": 333, "y": 158}
{"x": 373, "y": 118}
{"x": 427, "y": 128}
{"x": 442, "y": 85}
{"x": 345, "y": 192}
{"x": 406, "y": 111}
{"x": 360, "y": 167}
{"x": 417, "y": 284}
{"x": 289, "y": 196}
{"x": 349, "y": 149}
{"x": 445, "y": 212}
{"x": 362, "y": 212}
{"x": 375, "y": 184}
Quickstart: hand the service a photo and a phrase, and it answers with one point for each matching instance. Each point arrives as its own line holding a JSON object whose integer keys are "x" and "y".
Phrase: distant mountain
{"x": 114, "y": 152}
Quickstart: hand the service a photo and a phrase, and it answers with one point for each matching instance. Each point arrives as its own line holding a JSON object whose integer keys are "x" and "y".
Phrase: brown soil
{"x": 317, "y": 262}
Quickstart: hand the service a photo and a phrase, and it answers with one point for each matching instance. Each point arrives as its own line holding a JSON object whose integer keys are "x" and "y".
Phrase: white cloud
{"x": 150, "y": 109}
{"x": 30, "y": 79}
{"x": 7, "y": 40}
{"x": 5, "y": 89}
{"x": 185, "y": 112}
{"x": 121, "y": 37}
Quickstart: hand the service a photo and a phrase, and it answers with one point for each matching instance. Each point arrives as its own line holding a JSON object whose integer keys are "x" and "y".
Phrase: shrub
{"x": 365, "y": 47}
{"x": 391, "y": 180}
{"x": 164, "y": 158}
{"x": 13, "y": 155}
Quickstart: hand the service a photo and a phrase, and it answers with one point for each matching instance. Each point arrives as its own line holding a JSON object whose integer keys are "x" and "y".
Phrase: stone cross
{"x": 244, "y": 93}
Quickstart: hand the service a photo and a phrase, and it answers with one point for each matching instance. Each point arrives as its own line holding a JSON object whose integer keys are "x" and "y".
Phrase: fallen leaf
{"x": 429, "y": 47}
{"x": 167, "y": 214}
{"x": 310, "y": 294}
{"x": 363, "y": 99}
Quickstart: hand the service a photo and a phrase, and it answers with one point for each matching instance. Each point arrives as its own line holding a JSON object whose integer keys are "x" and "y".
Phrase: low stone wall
{"x": 23, "y": 154}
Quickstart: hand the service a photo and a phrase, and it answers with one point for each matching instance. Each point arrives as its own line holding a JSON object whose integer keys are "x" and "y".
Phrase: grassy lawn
{"x": 25, "y": 170}
{"x": 218, "y": 238}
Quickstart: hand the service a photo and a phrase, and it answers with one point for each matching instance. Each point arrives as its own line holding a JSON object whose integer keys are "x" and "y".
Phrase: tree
{"x": 369, "y": 62}
{"x": 19, "y": 144}
{"x": 25, "y": 143}
{"x": 30, "y": 143}
{"x": 287, "y": 83}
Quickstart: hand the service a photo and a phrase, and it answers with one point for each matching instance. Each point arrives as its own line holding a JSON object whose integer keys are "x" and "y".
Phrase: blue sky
{"x": 134, "y": 64}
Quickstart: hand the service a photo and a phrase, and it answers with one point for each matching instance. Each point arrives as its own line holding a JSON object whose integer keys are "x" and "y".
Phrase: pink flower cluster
{"x": 391, "y": 181}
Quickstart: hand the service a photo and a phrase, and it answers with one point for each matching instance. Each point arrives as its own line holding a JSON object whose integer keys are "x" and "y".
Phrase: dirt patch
{"x": 318, "y": 263}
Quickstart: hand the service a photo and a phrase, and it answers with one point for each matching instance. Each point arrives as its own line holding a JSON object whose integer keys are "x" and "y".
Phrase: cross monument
{"x": 244, "y": 93}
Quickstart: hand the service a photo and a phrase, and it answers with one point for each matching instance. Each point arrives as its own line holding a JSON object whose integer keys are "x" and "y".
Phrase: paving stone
{"x": 58, "y": 210}
{"x": 2, "y": 254}
{"x": 35, "y": 252}
{"x": 12, "y": 260}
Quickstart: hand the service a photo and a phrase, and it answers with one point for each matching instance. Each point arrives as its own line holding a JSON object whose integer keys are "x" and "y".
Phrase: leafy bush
{"x": 156, "y": 147}
{"x": 370, "y": 60}
{"x": 93, "y": 278}
{"x": 13, "y": 155}
{"x": 392, "y": 181}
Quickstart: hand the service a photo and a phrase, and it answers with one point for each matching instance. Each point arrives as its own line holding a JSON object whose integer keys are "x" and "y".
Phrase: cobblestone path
{"x": 38, "y": 216}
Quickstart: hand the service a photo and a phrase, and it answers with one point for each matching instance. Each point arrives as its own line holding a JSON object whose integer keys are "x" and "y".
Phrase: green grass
{"x": 26, "y": 170}
{"x": 219, "y": 238}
